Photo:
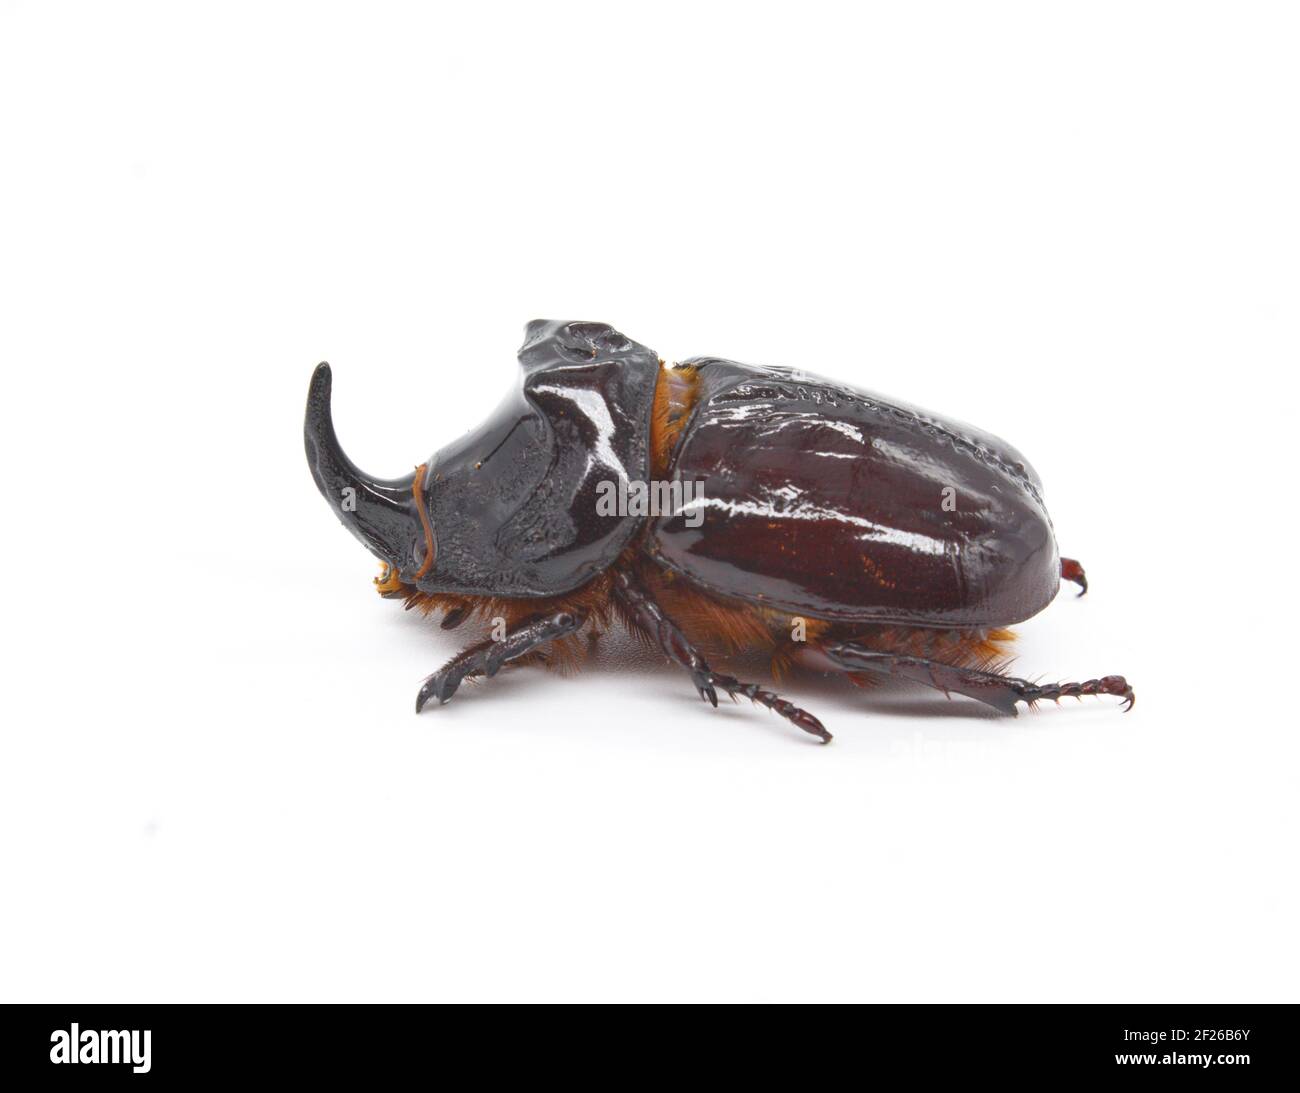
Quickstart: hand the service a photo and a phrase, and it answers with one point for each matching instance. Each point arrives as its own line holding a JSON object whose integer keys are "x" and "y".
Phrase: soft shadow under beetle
{"x": 813, "y": 522}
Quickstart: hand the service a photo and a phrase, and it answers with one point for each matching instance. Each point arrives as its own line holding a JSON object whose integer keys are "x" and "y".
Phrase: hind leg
{"x": 1073, "y": 571}
{"x": 999, "y": 691}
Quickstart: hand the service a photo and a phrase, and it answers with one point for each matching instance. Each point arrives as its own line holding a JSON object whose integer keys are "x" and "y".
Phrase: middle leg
{"x": 649, "y": 616}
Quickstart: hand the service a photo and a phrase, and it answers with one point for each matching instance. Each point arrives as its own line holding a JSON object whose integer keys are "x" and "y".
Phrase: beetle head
{"x": 389, "y": 515}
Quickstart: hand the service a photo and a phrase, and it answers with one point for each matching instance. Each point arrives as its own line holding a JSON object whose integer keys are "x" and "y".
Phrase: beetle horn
{"x": 378, "y": 511}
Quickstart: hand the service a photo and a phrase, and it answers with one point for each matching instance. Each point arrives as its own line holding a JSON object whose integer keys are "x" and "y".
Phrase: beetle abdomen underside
{"x": 836, "y": 504}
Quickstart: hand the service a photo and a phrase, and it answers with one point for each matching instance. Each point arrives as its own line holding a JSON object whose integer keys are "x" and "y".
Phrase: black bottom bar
{"x": 383, "y": 1043}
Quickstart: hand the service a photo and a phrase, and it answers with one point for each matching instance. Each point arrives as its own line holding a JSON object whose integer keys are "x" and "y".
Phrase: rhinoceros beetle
{"x": 802, "y": 518}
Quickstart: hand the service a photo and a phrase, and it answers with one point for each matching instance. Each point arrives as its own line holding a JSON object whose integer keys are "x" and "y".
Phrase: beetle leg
{"x": 677, "y": 648}
{"x": 487, "y": 657}
{"x": 999, "y": 691}
{"x": 454, "y": 618}
{"x": 1073, "y": 571}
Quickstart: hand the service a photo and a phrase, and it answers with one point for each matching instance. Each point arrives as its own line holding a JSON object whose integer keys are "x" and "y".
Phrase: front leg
{"x": 487, "y": 657}
{"x": 676, "y": 647}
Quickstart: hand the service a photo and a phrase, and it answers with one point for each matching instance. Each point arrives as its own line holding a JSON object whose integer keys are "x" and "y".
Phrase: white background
{"x": 1073, "y": 225}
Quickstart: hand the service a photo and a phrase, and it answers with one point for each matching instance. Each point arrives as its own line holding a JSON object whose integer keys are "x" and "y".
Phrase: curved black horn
{"x": 378, "y": 511}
